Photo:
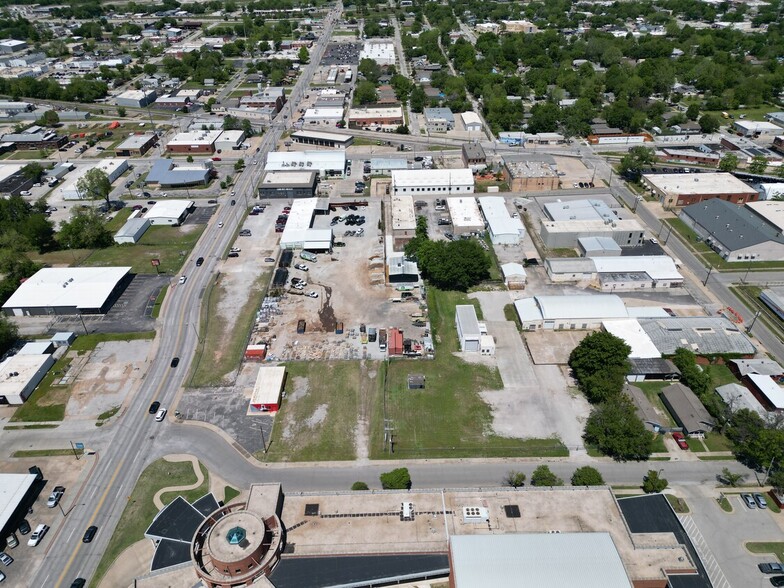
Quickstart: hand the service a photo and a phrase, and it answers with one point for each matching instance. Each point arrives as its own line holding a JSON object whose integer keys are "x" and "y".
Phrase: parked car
{"x": 154, "y": 407}
{"x": 301, "y": 267}
{"x": 12, "y": 541}
{"x": 2, "y": 577}
{"x": 92, "y": 530}
{"x": 233, "y": 254}
{"x": 680, "y": 440}
{"x": 37, "y": 535}
{"x": 749, "y": 500}
{"x": 777, "y": 581}
{"x": 312, "y": 294}
{"x": 269, "y": 260}
{"x": 26, "y": 193}
{"x": 24, "y": 527}
{"x": 773, "y": 567}
{"x": 55, "y": 496}
{"x": 6, "y": 559}
{"x": 760, "y": 500}
{"x": 78, "y": 583}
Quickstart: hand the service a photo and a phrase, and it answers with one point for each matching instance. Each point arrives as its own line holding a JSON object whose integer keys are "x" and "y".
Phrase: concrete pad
{"x": 553, "y": 347}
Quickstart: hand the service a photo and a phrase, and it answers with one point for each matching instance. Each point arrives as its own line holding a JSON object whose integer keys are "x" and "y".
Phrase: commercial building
{"x": 113, "y": 168}
{"x": 20, "y": 374}
{"x": 769, "y": 211}
{"x": 579, "y": 312}
{"x": 167, "y": 173}
{"x": 570, "y": 269}
{"x": 763, "y": 366}
{"x": 35, "y": 137}
{"x": 752, "y": 128}
{"x": 436, "y": 182}
{"x": 738, "y": 397}
{"x": 471, "y": 121}
{"x": 400, "y": 269}
{"x": 767, "y": 391}
{"x": 685, "y": 189}
{"x": 598, "y": 247}
{"x": 194, "y": 142}
{"x": 382, "y": 52}
{"x": 367, "y": 117}
{"x": 403, "y": 219}
{"x": 474, "y": 156}
{"x": 169, "y": 212}
{"x": 689, "y": 156}
{"x": 321, "y": 139}
{"x": 329, "y": 115}
{"x": 566, "y": 233}
{"x": 504, "y": 229}
{"x": 229, "y": 140}
{"x": 703, "y": 335}
{"x": 288, "y": 184}
{"x": 384, "y": 166}
{"x": 136, "y": 98}
{"x": 465, "y": 215}
{"x": 515, "y": 276}
{"x": 774, "y": 299}
{"x": 439, "y": 120}
{"x": 468, "y": 331}
{"x": 136, "y": 145}
{"x": 132, "y": 230}
{"x": 531, "y": 175}
{"x": 643, "y": 272}
{"x": 18, "y": 492}
{"x": 298, "y": 233}
{"x": 270, "y": 97}
{"x": 687, "y": 410}
{"x": 631, "y": 332}
{"x": 736, "y": 233}
{"x": 519, "y": 138}
{"x": 173, "y": 102}
{"x": 8, "y": 46}
{"x": 68, "y": 290}
{"x": 268, "y": 389}
{"x": 326, "y": 163}
{"x": 11, "y": 109}
{"x": 12, "y": 180}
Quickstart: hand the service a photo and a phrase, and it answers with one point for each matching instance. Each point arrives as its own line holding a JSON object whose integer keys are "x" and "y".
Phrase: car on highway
{"x": 78, "y": 583}
{"x": 6, "y": 559}
{"x": 183, "y": 279}
{"x": 680, "y": 440}
{"x": 233, "y": 202}
{"x": 773, "y": 567}
{"x": 199, "y": 262}
{"x": 220, "y": 225}
{"x": 760, "y": 500}
{"x": 37, "y": 535}
{"x": 154, "y": 407}
{"x": 301, "y": 267}
{"x": 55, "y": 496}
{"x": 175, "y": 362}
{"x": 161, "y": 415}
{"x": 90, "y": 533}
{"x": 749, "y": 500}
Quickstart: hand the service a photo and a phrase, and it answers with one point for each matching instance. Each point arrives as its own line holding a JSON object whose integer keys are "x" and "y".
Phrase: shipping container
{"x": 257, "y": 352}
{"x": 286, "y": 258}
{"x": 280, "y": 278}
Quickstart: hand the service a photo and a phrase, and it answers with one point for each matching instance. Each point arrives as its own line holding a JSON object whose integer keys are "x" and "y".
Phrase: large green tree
{"x": 85, "y": 230}
{"x": 365, "y": 93}
{"x": 8, "y": 334}
{"x": 94, "y": 185}
{"x": 370, "y": 70}
{"x": 758, "y": 165}
{"x": 600, "y": 364}
{"x": 615, "y": 429}
{"x": 453, "y": 265}
{"x": 587, "y": 476}
{"x": 729, "y": 163}
{"x": 709, "y": 123}
{"x": 653, "y": 483}
{"x": 543, "y": 476}
{"x": 635, "y": 160}
{"x": 397, "y": 479}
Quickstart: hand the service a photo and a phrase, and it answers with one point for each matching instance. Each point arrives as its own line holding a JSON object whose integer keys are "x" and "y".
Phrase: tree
{"x": 359, "y": 486}
{"x": 635, "y": 160}
{"x": 709, "y": 123}
{"x": 693, "y": 111}
{"x": 85, "y": 230}
{"x": 543, "y": 476}
{"x": 189, "y": 159}
{"x": 397, "y": 479}
{"x": 453, "y": 265}
{"x": 600, "y": 363}
{"x": 614, "y": 428}
{"x": 758, "y": 165}
{"x": 303, "y": 55}
{"x": 729, "y": 163}
{"x": 94, "y": 185}
{"x": 652, "y": 483}
{"x": 370, "y": 70}
{"x": 365, "y": 93}
{"x": 247, "y": 127}
{"x": 48, "y": 119}
{"x": 33, "y": 171}
{"x": 587, "y": 476}
{"x": 402, "y": 130}
{"x": 418, "y": 99}
{"x": 730, "y": 478}
{"x": 544, "y": 118}
{"x": 121, "y": 111}
{"x": 514, "y": 479}
{"x": 8, "y": 334}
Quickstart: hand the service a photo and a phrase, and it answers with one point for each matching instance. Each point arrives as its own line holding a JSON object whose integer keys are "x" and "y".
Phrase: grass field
{"x": 448, "y": 418}
{"x": 651, "y": 390}
{"x": 169, "y": 244}
{"x": 140, "y": 510}
{"x": 48, "y": 453}
{"x": 510, "y": 314}
{"x": 319, "y": 425}
{"x": 221, "y": 349}
{"x": 229, "y": 494}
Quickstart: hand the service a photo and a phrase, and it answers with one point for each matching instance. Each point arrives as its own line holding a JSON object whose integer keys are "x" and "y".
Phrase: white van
{"x": 161, "y": 415}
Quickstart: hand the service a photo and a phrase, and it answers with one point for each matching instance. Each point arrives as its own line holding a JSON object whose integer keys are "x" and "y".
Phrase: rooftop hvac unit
{"x": 475, "y": 514}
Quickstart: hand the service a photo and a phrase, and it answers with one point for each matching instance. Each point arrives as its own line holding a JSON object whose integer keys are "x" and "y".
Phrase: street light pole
{"x": 754, "y": 320}
{"x": 710, "y": 269}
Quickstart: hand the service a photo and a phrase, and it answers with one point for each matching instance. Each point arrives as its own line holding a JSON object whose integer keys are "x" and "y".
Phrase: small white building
{"x": 515, "y": 276}
{"x": 466, "y": 218}
{"x": 751, "y": 128}
{"x": 132, "y": 230}
{"x": 504, "y": 229}
{"x": 471, "y": 121}
{"x": 468, "y": 327}
{"x": 169, "y": 212}
{"x": 20, "y": 374}
{"x": 326, "y": 115}
{"x": 229, "y": 140}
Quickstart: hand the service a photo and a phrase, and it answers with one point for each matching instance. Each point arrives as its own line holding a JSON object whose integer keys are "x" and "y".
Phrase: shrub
{"x": 359, "y": 486}
{"x": 543, "y": 476}
{"x": 397, "y": 479}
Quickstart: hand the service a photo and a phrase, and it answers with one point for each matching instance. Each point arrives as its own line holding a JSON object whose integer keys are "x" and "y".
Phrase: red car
{"x": 216, "y": 158}
{"x": 680, "y": 440}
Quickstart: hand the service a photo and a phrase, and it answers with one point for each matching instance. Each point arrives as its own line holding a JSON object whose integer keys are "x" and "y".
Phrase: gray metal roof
{"x": 643, "y": 406}
{"x": 164, "y": 171}
{"x": 571, "y": 265}
{"x": 766, "y": 367}
{"x": 733, "y": 226}
{"x": 687, "y": 409}
{"x": 466, "y": 317}
{"x": 445, "y": 113}
{"x": 736, "y": 397}
{"x": 579, "y": 210}
{"x": 598, "y": 244}
{"x": 544, "y": 560}
{"x": 701, "y": 334}
{"x": 473, "y": 151}
{"x": 132, "y": 226}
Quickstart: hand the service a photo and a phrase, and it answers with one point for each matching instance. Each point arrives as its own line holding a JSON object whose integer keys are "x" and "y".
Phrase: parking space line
{"x": 715, "y": 574}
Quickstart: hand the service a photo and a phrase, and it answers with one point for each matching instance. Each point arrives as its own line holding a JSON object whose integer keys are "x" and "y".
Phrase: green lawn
{"x": 725, "y": 504}
{"x": 319, "y": 424}
{"x": 48, "y": 453}
{"x": 482, "y": 186}
{"x": 678, "y": 504}
{"x": 652, "y": 390}
{"x": 495, "y": 269}
{"x": 717, "y": 442}
{"x": 221, "y": 350}
{"x": 140, "y": 510}
{"x": 774, "y": 547}
{"x": 229, "y": 494}
{"x": 156, "y": 308}
{"x": 658, "y": 444}
{"x": 171, "y": 245}
{"x": 119, "y": 219}
{"x": 510, "y": 314}
{"x": 720, "y": 375}
{"x": 447, "y": 418}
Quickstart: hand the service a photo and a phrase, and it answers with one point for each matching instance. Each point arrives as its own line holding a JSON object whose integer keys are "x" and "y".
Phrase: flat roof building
{"x": 471, "y": 121}
{"x": 384, "y": 166}
{"x": 381, "y": 51}
{"x": 467, "y": 324}
{"x": 769, "y": 394}
{"x": 113, "y": 168}
{"x": 322, "y": 139}
{"x": 637, "y": 272}
{"x": 68, "y": 290}
{"x": 753, "y": 128}
{"x": 20, "y": 374}
{"x": 531, "y": 174}
{"x": 17, "y": 493}
{"x": 421, "y": 182}
{"x": 326, "y": 163}
{"x": 581, "y": 210}
{"x": 515, "y": 276}
{"x": 168, "y": 173}
{"x": 288, "y": 184}
{"x": 564, "y": 234}
{"x": 136, "y": 98}
{"x": 132, "y": 230}
{"x": 687, "y": 410}
{"x": 268, "y": 389}
{"x": 685, "y": 189}
{"x": 737, "y": 233}
{"x": 774, "y": 299}
{"x": 298, "y": 233}
{"x": 703, "y": 335}
{"x": 504, "y": 229}
{"x": 598, "y": 247}
{"x": 364, "y": 117}
{"x": 403, "y": 219}
{"x": 193, "y": 142}
{"x": 439, "y": 120}
{"x": 570, "y": 269}
{"x": 229, "y": 140}
{"x": 473, "y": 156}
{"x": 323, "y": 115}
{"x": 465, "y": 215}
{"x": 136, "y": 145}
{"x": 169, "y": 212}
{"x": 579, "y": 312}
{"x": 770, "y": 211}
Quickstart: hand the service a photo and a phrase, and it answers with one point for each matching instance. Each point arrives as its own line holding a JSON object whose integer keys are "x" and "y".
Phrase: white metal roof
{"x": 465, "y": 212}
{"x": 544, "y": 560}
{"x": 322, "y": 135}
{"x": 9, "y": 169}
{"x": 333, "y": 160}
{"x": 498, "y": 218}
{"x": 658, "y": 267}
{"x": 132, "y": 226}
{"x": 432, "y": 177}
{"x": 269, "y": 383}
{"x": 298, "y": 231}
{"x": 770, "y": 210}
{"x": 135, "y": 141}
{"x": 754, "y": 126}
{"x": 772, "y": 391}
{"x": 587, "y": 209}
{"x": 513, "y": 269}
{"x": 25, "y": 366}
{"x": 635, "y": 337}
{"x": 598, "y": 306}
{"x": 195, "y": 138}
{"x": 466, "y": 318}
{"x": 470, "y": 118}
{"x": 13, "y": 488}
{"x": 80, "y": 287}
{"x": 168, "y": 209}
{"x": 707, "y": 183}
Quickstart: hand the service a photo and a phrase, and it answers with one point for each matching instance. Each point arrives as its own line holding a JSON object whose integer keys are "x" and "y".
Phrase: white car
{"x": 37, "y": 535}
{"x": 182, "y": 279}
{"x": 26, "y": 193}
{"x": 302, "y": 267}
{"x": 161, "y": 415}
{"x": 313, "y": 294}
{"x": 235, "y": 250}
{"x": 220, "y": 224}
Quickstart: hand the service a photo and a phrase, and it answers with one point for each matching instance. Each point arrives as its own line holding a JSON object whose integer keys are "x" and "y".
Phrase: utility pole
{"x": 710, "y": 269}
{"x": 754, "y": 320}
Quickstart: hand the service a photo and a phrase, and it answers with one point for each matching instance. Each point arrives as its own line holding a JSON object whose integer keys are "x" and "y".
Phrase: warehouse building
{"x": 769, "y": 393}
{"x": 136, "y": 145}
{"x": 113, "y": 168}
{"x": 504, "y": 229}
{"x": 584, "y": 209}
{"x": 764, "y": 366}
{"x": 229, "y": 140}
{"x": 564, "y": 234}
{"x": 171, "y": 102}
{"x": 372, "y": 117}
{"x": 136, "y": 98}
{"x": 753, "y": 128}
{"x": 403, "y": 219}
{"x": 703, "y": 335}
{"x": 68, "y": 290}
{"x": 686, "y": 189}
{"x": 268, "y": 389}
{"x": 325, "y": 163}
{"x": 169, "y": 212}
{"x": 598, "y": 247}
{"x": 433, "y": 181}
{"x": 471, "y": 122}
{"x": 383, "y": 166}
{"x": 687, "y": 410}
{"x": 736, "y": 233}
{"x": 468, "y": 331}
{"x": 771, "y": 212}
{"x": 298, "y": 233}
{"x": 581, "y": 312}
{"x": 515, "y": 276}
{"x": 132, "y": 230}
{"x": 288, "y": 184}
{"x": 531, "y": 174}
{"x": 570, "y": 269}
{"x": 774, "y": 299}
{"x": 194, "y": 142}
{"x": 167, "y": 173}
{"x": 20, "y": 374}
{"x": 630, "y": 273}
{"x": 382, "y": 52}
{"x": 321, "y": 139}
{"x": 632, "y": 333}
{"x": 400, "y": 269}
{"x": 35, "y": 137}
{"x": 439, "y": 120}
{"x": 328, "y": 115}
{"x": 465, "y": 215}
{"x": 13, "y": 181}
{"x": 18, "y": 493}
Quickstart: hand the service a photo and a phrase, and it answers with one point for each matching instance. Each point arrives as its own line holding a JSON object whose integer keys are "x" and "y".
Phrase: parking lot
{"x": 338, "y": 53}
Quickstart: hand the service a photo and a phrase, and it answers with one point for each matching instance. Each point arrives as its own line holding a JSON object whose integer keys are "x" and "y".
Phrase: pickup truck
{"x": 55, "y": 496}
